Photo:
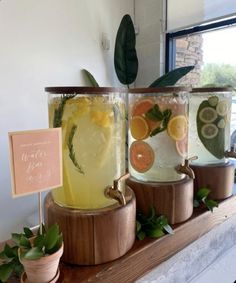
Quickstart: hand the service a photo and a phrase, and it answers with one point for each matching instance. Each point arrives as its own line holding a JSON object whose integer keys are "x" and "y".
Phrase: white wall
{"x": 150, "y": 21}
{"x": 46, "y": 43}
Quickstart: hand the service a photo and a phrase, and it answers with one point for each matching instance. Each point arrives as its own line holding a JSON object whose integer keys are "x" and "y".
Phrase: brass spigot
{"x": 230, "y": 153}
{"x": 185, "y": 169}
{"x": 114, "y": 191}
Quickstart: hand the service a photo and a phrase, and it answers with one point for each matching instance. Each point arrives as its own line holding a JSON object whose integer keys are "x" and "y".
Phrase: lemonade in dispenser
{"x": 93, "y": 141}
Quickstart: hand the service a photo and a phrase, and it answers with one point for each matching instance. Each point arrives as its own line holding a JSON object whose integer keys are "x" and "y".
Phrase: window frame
{"x": 170, "y": 48}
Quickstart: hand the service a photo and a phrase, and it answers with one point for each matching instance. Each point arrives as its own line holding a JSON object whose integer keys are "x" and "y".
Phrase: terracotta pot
{"x": 42, "y": 270}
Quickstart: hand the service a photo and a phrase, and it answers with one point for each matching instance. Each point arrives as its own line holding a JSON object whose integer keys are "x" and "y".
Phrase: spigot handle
{"x": 190, "y": 159}
{"x": 121, "y": 178}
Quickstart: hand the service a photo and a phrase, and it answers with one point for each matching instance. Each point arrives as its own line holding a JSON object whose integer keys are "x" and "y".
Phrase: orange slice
{"x": 141, "y": 156}
{"x": 141, "y": 107}
{"x": 139, "y": 128}
{"x": 177, "y": 127}
{"x": 182, "y": 147}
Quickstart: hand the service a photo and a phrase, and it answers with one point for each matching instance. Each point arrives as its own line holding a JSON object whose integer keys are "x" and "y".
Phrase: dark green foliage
{"x": 40, "y": 245}
{"x": 171, "y": 78}
{"x": 202, "y": 198}
{"x": 125, "y": 56}
{"x": 90, "y": 78}
{"x": 153, "y": 225}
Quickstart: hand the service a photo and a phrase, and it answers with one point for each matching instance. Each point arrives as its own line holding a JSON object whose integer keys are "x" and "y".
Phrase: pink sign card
{"x": 36, "y": 160}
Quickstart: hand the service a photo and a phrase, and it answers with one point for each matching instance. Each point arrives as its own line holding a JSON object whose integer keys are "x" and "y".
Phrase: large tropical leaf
{"x": 90, "y": 78}
{"x": 171, "y": 77}
{"x": 125, "y": 57}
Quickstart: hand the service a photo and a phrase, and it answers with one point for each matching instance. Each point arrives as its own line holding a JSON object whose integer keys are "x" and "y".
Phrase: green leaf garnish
{"x": 71, "y": 149}
{"x": 58, "y": 113}
{"x": 156, "y": 114}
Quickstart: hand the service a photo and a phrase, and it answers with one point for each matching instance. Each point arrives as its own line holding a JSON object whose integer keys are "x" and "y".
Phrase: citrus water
{"x": 209, "y": 124}
{"x": 158, "y": 131}
{"x": 93, "y": 141}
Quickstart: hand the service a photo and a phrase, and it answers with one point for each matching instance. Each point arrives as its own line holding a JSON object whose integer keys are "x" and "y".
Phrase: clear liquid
{"x": 196, "y": 147}
{"x": 166, "y": 154}
{"x": 98, "y": 146}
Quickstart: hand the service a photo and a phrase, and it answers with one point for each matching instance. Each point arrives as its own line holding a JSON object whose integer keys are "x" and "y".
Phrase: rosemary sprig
{"x": 57, "y": 119}
{"x": 71, "y": 149}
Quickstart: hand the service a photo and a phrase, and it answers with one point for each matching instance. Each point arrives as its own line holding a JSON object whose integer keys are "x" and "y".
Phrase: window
{"x": 212, "y": 49}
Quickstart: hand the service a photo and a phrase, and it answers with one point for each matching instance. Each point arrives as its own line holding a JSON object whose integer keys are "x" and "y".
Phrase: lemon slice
{"x": 208, "y": 115}
{"x": 209, "y": 131}
{"x": 222, "y": 108}
{"x": 139, "y": 128}
{"x": 177, "y": 127}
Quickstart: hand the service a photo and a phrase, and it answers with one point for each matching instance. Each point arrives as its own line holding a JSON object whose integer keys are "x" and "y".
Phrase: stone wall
{"x": 189, "y": 52}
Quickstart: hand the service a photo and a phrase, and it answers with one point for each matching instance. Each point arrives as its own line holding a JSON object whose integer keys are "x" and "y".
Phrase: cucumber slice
{"x": 209, "y": 131}
{"x": 213, "y": 100}
{"x": 222, "y": 108}
{"x": 221, "y": 124}
{"x": 208, "y": 115}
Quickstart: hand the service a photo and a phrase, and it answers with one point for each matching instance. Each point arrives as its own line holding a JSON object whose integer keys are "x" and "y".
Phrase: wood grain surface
{"x": 174, "y": 199}
{"x": 94, "y": 236}
{"x": 149, "y": 253}
{"x": 219, "y": 178}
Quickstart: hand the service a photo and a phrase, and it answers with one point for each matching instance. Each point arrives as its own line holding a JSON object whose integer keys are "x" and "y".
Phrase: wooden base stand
{"x": 174, "y": 200}
{"x": 94, "y": 236}
{"x": 219, "y": 178}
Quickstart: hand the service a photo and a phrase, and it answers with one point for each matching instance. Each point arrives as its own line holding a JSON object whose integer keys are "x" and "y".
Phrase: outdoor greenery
{"x": 218, "y": 75}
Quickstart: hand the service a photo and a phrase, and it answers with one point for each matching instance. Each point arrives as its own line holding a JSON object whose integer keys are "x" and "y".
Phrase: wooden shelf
{"x": 149, "y": 253}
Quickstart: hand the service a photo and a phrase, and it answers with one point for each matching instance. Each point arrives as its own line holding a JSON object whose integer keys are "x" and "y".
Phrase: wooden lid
{"x": 211, "y": 89}
{"x": 168, "y": 89}
{"x": 83, "y": 90}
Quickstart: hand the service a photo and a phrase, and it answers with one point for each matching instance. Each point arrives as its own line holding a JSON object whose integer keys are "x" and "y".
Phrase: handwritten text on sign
{"x": 36, "y": 160}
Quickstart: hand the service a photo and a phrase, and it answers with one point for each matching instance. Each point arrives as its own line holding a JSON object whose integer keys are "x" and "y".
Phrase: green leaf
{"x": 171, "y": 77}
{"x": 210, "y": 204}
{"x": 24, "y": 242}
{"x": 202, "y": 194}
{"x": 215, "y": 145}
{"x": 34, "y": 253}
{"x": 155, "y": 233}
{"x": 16, "y": 238}
{"x": 39, "y": 241}
{"x": 90, "y": 78}
{"x": 28, "y": 232}
{"x": 138, "y": 226}
{"x": 56, "y": 247}
{"x": 168, "y": 229}
{"x": 196, "y": 203}
{"x": 141, "y": 235}
{"x": 51, "y": 237}
{"x": 5, "y": 271}
{"x": 125, "y": 56}
{"x": 154, "y": 113}
{"x": 8, "y": 251}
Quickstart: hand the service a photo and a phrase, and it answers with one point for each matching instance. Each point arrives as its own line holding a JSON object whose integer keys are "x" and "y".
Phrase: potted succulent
{"x": 38, "y": 255}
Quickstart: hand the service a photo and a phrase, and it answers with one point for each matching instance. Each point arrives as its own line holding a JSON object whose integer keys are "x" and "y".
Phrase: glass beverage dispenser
{"x": 93, "y": 142}
{"x": 209, "y": 120}
{"x": 158, "y": 133}
{"x": 209, "y": 139}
